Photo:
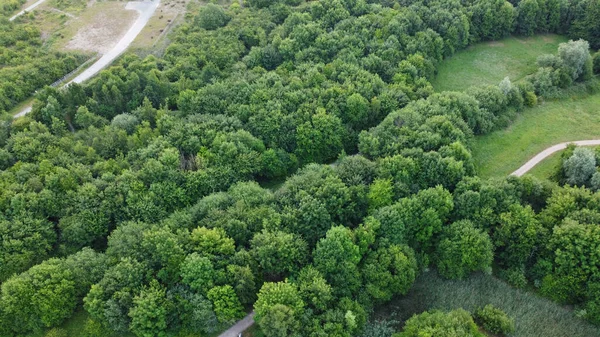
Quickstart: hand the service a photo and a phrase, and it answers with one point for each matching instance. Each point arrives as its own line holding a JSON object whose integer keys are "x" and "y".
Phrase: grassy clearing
{"x": 545, "y": 169}
{"x": 98, "y": 28}
{"x": 552, "y": 122}
{"x": 490, "y": 62}
{"x": 534, "y": 316}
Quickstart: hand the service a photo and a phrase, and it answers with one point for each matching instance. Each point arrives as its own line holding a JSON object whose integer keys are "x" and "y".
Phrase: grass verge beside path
{"x": 490, "y": 62}
{"x": 534, "y": 316}
{"x": 552, "y": 122}
{"x": 545, "y": 169}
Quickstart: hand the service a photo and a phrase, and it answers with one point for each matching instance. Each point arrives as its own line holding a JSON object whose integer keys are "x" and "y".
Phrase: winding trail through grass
{"x": 548, "y": 152}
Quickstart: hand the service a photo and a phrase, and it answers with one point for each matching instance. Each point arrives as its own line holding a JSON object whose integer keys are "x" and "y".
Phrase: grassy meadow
{"x": 573, "y": 117}
{"x": 490, "y": 62}
{"x": 534, "y": 316}
{"x": 501, "y": 152}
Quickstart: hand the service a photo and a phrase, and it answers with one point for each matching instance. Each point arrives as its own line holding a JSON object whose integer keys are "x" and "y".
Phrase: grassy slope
{"x": 534, "y": 316}
{"x": 490, "y": 62}
{"x": 552, "y": 122}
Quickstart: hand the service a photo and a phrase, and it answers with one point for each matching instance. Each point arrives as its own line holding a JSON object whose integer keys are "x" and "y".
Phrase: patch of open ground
{"x": 82, "y": 25}
{"x": 490, "y": 62}
{"x": 167, "y": 15}
{"x": 501, "y": 152}
{"x": 534, "y": 316}
{"x": 98, "y": 28}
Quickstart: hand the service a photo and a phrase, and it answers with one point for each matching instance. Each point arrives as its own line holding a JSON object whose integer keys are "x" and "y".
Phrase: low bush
{"x": 494, "y": 320}
{"x": 437, "y": 323}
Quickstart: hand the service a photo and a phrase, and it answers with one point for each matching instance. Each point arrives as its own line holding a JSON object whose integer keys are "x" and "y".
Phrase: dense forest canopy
{"x": 135, "y": 195}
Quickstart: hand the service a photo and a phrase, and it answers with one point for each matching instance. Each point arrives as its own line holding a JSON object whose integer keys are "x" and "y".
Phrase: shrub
{"x": 436, "y": 323}
{"x": 580, "y": 167}
{"x": 56, "y": 332}
{"x": 575, "y": 56}
{"x": 463, "y": 249}
{"x": 595, "y": 181}
{"x": 592, "y": 306}
{"x": 515, "y": 277}
{"x": 494, "y": 320}
{"x": 530, "y": 99}
{"x": 596, "y": 62}
{"x": 94, "y": 329}
{"x": 127, "y": 122}
{"x": 212, "y": 17}
{"x": 563, "y": 289}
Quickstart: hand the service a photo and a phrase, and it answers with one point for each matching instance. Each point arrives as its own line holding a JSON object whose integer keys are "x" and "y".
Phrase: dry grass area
{"x": 98, "y": 28}
{"x": 167, "y": 15}
{"x": 82, "y": 25}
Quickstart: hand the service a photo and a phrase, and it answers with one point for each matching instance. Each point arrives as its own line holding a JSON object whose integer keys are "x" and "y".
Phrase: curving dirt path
{"x": 239, "y": 327}
{"x": 146, "y": 10}
{"x": 549, "y": 151}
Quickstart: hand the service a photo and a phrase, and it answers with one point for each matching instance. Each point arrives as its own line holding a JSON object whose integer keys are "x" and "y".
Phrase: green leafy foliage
{"x": 462, "y": 250}
{"x": 212, "y": 17}
{"x": 494, "y": 320}
{"x": 226, "y": 304}
{"x": 149, "y": 311}
{"x": 156, "y": 162}
{"x": 278, "y": 253}
{"x": 278, "y": 309}
{"x": 337, "y": 257}
{"x": 437, "y": 323}
{"x": 389, "y": 271}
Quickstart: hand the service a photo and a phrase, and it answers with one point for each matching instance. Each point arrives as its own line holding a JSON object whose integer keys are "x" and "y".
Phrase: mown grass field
{"x": 534, "y": 316}
{"x": 552, "y": 122}
{"x": 490, "y": 62}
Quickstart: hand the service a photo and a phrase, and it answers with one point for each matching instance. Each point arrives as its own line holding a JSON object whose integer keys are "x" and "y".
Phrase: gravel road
{"x": 549, "y": 151}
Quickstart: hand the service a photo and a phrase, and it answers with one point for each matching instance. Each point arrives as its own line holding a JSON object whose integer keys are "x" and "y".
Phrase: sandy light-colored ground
{"x": 99, "y": 27}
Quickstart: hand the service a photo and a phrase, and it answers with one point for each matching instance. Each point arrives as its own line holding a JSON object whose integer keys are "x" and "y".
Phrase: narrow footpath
{"x": 239, "y": 327}
{"x": 548, "y": 152}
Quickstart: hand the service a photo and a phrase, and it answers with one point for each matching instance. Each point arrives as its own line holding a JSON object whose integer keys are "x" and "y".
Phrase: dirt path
{"x": 146, "y": 10}
{"x": 548, "y": 152}
{"x": 239, "y": 327}
{"x": 26, "y": 10}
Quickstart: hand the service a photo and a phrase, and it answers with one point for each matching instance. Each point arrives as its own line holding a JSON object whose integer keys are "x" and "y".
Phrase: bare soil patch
{"x": 99, "y": 27}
